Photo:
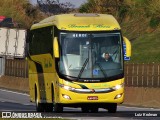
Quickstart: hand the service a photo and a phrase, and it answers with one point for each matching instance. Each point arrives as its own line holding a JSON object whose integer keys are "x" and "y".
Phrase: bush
{"x": 154, "y": 22}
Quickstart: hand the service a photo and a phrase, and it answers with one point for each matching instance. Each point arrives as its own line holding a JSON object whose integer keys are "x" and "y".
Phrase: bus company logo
{"x": 78, "y": 26}
{"x": 100, "y": 26}
{"x": 92, "y": 90}
{"x": 6, "y": 115}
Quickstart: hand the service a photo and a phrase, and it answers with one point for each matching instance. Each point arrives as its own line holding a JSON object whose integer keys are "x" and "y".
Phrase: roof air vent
{"x": 86, "y": 15}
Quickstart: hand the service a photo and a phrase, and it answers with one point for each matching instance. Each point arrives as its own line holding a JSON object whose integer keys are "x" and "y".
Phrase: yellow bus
{"x": 68, "y": 66}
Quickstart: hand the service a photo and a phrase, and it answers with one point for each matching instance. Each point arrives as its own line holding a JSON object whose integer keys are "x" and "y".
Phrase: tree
{"x": 118, "y": 8}
{"x": 51, "y": 7}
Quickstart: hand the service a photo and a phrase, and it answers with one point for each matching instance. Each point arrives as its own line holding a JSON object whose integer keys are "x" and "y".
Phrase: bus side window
{"x": 41, "y": 41}
{"x": 46, "y": 40}
{"x": 31, "y": 45}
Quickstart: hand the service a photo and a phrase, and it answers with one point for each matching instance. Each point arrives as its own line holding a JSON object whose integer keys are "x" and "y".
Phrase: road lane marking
{"x": 28, "y": 104}
{"x": 140, "y": 107}
{"x": 14, "y": 92}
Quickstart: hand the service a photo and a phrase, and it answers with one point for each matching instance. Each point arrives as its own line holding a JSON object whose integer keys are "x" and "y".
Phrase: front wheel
{"x": 85, "y": 109}
{"x": 94, "y": 110}
{"x": 39, "y": 106}
{"x": 48, "y": 107}
{"x": 112, "y": 108}
{"x": 58, "y": 108}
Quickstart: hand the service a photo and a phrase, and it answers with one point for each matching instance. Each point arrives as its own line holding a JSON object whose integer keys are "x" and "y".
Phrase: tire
{"x": 112, "y": 108}
{"x": 58, "y": 108}
{"x": 48, "y": 107}
{"x": 94, "y": 110}
{"x": 39, "y": 106}
{"x": 85, "y": 109}
{"x": 52, "y": 92}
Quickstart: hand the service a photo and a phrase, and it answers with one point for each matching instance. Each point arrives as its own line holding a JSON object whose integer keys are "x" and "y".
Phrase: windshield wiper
{"x": 116, "y": 51}
{"x": 83, "y": 67}
{"x": 103, "y": 71}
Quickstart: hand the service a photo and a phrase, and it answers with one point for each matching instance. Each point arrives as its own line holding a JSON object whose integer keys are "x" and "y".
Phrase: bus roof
{"x": 80, "y": 22}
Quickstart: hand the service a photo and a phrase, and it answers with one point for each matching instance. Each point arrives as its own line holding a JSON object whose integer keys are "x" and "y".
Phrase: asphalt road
{"x": 18, "y": 102}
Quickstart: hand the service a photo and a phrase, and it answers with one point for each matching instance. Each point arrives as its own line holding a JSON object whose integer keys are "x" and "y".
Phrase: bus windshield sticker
{"x": 95, "y": 72}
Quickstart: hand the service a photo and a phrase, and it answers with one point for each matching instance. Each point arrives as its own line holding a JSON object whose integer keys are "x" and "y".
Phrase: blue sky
{"x": 77, "y": 3}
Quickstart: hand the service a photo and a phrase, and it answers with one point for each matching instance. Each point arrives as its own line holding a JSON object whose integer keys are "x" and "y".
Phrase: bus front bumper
{"x": 70, "y": 97}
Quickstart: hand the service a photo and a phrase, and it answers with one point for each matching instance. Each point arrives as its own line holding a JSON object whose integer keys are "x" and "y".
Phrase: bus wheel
{"x": 85, "y": 109}
{"x": 94, "y": 110}
{"x": 58, "y": 108}
{"x": 52, "y": 92}
{"x": 112, "y": 108}
{"x": 48, "y": 107}
{"x": 39, "y": 106}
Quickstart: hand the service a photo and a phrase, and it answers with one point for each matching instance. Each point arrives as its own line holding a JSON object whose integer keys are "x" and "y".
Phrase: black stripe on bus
{"x": 38, "y": 67}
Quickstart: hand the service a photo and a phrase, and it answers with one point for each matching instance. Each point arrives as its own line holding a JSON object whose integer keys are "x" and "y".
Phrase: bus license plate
{"x": 92, "y": 98}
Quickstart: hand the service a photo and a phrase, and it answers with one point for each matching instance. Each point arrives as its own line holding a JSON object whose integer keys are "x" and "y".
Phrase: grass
{"x": 146, "y": 49}
{"x": 140, "y": 23}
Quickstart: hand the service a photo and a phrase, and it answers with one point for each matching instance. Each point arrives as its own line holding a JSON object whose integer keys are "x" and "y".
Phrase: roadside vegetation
{"x": 21, "y": 11}
{"x": 25, "y": 14}
{"x": 140, "y": 22}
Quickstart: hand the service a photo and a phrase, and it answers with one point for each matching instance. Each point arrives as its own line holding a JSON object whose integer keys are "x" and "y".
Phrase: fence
{"x": 137, "y": 75}
{"x": 16, "y": 67}
{"x": 142, "y": 75}
{"x": 2, "y": 65}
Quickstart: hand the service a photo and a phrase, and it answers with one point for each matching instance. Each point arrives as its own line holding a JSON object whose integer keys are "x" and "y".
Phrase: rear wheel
{"x": 112, "y": 108}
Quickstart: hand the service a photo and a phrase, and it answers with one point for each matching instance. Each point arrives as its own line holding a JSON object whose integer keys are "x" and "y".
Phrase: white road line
{"x": 28, "y": 104}
{"x": 14, "y": 92}
{"x": 141, "y": 107}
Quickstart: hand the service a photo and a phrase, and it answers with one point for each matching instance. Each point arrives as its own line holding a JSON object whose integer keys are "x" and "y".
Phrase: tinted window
{"x": 41, "y": 41}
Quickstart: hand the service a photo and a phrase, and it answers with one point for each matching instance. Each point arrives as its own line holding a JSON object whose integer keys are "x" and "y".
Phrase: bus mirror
{"x": 128, "y": 47}
{"x": 56, "y": 48}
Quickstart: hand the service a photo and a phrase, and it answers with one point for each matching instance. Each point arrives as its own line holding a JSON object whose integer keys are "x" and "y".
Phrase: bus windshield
{"x": 91, "y": 55}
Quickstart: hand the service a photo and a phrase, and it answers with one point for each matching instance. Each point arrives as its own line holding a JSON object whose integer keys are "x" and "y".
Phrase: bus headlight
{"x": 66, "y": 96}
{"x": 117, "y": 87}
{"x": 118, "y": 96}
{"x": 66, "y": 87}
